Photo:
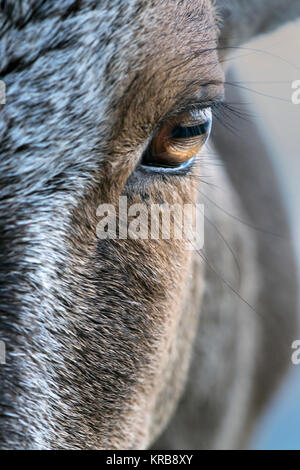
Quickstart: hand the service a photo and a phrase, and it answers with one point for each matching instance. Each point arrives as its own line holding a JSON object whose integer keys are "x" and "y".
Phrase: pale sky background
{"x": 270, "y": 69}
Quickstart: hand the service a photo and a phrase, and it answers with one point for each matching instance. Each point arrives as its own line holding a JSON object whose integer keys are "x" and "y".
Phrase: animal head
{"x": 98, "y": 332}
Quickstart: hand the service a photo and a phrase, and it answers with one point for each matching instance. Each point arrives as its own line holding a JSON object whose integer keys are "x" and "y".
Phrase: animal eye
{"x": 179, "y": 140}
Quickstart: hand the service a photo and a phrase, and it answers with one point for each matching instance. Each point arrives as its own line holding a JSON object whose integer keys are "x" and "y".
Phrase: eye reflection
{"x": 179, "y": 140}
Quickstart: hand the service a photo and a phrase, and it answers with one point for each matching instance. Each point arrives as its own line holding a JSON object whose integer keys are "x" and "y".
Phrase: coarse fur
{"x": 99, "y": 333}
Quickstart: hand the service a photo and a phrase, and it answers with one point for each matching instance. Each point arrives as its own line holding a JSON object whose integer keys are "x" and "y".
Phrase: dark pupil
{"x": 185, "y": 132}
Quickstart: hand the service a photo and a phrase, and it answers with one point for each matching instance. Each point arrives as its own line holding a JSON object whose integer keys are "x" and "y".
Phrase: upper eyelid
{"x": 199, "y": 104}
{"x": 193, "y": 106}
{"x": 205, "y": 104}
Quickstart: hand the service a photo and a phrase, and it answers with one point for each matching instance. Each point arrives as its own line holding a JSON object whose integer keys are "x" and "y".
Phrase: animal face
{"x": 98, "y": 332}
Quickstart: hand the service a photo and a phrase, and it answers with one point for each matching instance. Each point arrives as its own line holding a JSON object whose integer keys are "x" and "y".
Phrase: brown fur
{"x": 99, "y": 334}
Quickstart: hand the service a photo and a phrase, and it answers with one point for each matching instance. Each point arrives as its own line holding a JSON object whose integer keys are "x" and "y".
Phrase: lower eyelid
{"x": 181, "y": 170}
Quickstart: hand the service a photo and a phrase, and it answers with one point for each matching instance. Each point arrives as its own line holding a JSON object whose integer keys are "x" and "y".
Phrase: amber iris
{"x": 180, "y": 139}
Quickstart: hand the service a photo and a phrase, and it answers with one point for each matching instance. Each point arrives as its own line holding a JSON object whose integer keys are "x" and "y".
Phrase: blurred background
{"x": 266, "y": 69}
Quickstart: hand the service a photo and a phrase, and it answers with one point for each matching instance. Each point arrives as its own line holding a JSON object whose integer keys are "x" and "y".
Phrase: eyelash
{"x": 228, "y": 113}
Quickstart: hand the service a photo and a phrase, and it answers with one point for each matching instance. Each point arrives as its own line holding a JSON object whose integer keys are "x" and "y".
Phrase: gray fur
{"x": 99, "y": 335}
{"x": 242, "y": 20}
